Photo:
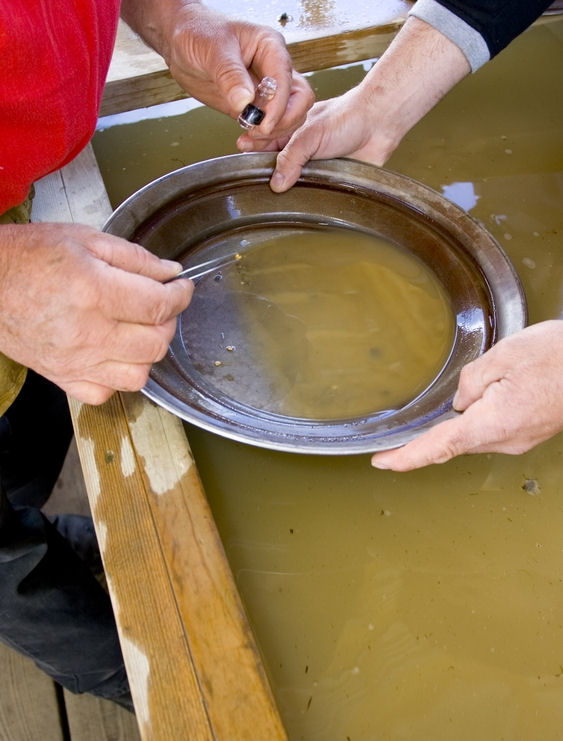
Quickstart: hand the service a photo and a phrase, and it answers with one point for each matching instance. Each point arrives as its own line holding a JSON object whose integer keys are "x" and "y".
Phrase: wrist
{"x": 156, "y": 21}
{"x": 420, "y": 66}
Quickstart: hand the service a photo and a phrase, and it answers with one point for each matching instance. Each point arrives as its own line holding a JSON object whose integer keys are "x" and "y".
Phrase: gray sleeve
{"x": 470, "y": 41}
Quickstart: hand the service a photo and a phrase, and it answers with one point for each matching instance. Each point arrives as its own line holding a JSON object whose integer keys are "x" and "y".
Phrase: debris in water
{"x": 531, "y": 486}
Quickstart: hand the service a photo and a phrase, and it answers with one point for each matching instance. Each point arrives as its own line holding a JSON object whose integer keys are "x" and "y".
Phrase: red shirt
{"x": 54, "y": 59}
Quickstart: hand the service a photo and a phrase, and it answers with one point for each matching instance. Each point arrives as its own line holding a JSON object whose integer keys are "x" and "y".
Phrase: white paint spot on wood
{"x": 102, "y": 536}
{"x": 88, "y": 459}
{"x": 167, "y": 463}
{"x": 138, "y": 667}
{"x": 127, "y": 457}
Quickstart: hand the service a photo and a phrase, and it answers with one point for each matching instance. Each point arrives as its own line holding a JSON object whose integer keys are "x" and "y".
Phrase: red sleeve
{"x": 55, "y": 56}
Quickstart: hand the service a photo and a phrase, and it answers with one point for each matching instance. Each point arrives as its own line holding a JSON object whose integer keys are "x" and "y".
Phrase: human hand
{"x": 220, "y": 61}
{"x": 369, "y": 121}
{"x": 334, "y": 128}
{"x": 86, "y": 310}
{"x": 511, "y": 399}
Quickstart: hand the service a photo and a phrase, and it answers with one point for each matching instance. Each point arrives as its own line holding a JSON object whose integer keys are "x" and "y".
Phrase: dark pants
{"x": 52, "y": 608}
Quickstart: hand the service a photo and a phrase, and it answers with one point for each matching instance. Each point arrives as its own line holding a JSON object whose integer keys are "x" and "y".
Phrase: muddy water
{"x": 322, "y": 324}
{"x": 426, "y": 605}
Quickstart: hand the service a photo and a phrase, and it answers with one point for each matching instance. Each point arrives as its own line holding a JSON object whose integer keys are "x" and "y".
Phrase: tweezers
{"x": 203, "y": 268}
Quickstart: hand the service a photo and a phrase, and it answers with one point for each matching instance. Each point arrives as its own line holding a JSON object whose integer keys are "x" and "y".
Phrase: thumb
{"x": 234, "y": 82}
{"x": 289, "y": 163}
{"x": 475, "y": 378}
{"x": 239, "y": 97}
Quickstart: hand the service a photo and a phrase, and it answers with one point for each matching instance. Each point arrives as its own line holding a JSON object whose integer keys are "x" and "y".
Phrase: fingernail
{"x": 277, "y": 181}
{"x": 241, "y": 97}
{"x": 174, "y": 265}
{"x": 244, "y": 145}
{"x": 382, "y": 465}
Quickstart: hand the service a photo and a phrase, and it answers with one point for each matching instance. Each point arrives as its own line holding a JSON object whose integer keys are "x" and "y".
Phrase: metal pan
{"x": 204, "y": 210}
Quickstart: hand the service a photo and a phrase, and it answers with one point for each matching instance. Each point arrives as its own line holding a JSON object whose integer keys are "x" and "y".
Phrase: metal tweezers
{"x": 198, "y": 271}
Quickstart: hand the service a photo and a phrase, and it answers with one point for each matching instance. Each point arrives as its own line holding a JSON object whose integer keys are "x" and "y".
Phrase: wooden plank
{"x": 28, "y": 702}
{"x": 76, "y": 193}
{"x": 323, "y": 52}
{"x": 50, "y": 202}
{"x": 164, "y": 685}
{"x": 238, "y": 698}
{"x": 139, "y": 77}
{"x": 192, "y": 662}
{"x": 94, "y": 719}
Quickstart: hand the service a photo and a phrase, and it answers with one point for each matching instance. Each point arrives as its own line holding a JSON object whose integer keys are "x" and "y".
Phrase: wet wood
{"x": 139, "y": 77}
{"x": 194, "y": 669}
{"x": 164, "y": 684}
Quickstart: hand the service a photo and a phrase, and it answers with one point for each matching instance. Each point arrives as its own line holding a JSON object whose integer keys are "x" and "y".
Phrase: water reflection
{"x": 462, "y": 194}
{"x": 472, "y": 319}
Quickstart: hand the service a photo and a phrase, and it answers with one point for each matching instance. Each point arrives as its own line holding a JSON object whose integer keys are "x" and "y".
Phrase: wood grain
{"x": 194, "y": 668}
{"x": 164, "y": 685}
{"x": 94, "y": 719}
{"x": 28, "y": 702}
{"x": 139, "y": 77}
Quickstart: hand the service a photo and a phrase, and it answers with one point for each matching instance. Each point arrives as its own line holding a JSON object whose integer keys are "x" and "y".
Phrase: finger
{"x": 289, "y": 163}
{"x": 88, "y": 393}
{"x": 120, "y": 377}
{"x": 258, "y": 139}
{"x": 131, "y": 257}
{"x": 251, "y": 144}
{"x": 473, "y": 431}
{"x": 287, "y": 109}
{"x": 126, "y": 376}
{"x": 133, "y": 298}
{"x": 136, "y": 343}
{"x": 246, "y": 56}
{"x": 438, "y": 445}
{"x": 271, "y": 59}
{"x": 127, "y": 345}
{"x": 475, "y": 378}
{"x": 301, "y": 100}
{"x": 234, "y": 81}
{"x": 480, "y": 429}
{"x": 247, "y": 143}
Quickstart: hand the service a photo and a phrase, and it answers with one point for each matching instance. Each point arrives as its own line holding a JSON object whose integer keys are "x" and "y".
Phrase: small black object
{"x": 252, "y": 116}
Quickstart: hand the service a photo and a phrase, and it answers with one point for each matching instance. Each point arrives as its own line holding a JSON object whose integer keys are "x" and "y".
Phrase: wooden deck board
{"x": 138, "y": 77}
{"x": 194, "y": 669}
{"x": 28, "y": 701}
{"x": 94, "y": 719}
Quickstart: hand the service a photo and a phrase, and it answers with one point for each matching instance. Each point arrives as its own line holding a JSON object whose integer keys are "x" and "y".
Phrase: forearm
{"x": 417, "y": 70}
{"x": 368, "y": 122}
{"x": 480, "y": 28}
{"x": 154, "y": 20}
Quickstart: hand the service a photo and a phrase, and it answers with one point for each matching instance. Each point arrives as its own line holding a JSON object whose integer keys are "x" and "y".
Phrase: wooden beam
{"x": 139, "y": 78}
{"x": 193, "y": 665}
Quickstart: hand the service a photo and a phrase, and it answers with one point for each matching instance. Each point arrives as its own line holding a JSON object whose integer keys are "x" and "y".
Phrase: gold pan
{"x": 245, "y": 363}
